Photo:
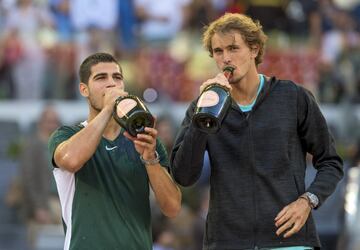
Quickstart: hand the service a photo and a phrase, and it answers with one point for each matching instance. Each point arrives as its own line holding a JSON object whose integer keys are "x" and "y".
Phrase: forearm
{"x": 73, "y": 153}
{"x": 329, "y": 167}
{"x": 188, "y": 156}
{"x": 327, "y": 177}
{"x": 167, "y": 193}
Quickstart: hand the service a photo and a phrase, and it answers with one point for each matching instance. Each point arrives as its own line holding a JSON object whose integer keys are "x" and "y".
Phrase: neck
{"x": 244, "y": 92}
{"x": 112, "y": 130}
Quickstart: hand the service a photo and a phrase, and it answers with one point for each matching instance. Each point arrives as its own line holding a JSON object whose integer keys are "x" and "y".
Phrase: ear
{"x": 84, "y": 89}
{"x": 254, "y": 51}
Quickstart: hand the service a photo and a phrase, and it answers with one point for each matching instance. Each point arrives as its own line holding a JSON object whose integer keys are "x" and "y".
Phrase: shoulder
{"x": 290, "y": 87}
{"x": 67, "y": 130}
{"x": 63, "y": 133}
{"x": 287, "y": 85}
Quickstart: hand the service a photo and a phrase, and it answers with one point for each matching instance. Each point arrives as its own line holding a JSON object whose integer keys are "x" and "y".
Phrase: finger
{"x": 151, "y": 131}
{"x": 210, "y": 81}
{"x": 228, "y": 86}
{"x": 284, "y": 227}
{"x": 130, "y": 137}
{"x": 155, "y": 120}
{"x": 221, "y": 76}
{"x": 146, "y": 138}
{"x": 123, "y": 93}
{"x": 282, "y": 220}
{"x": 283, "y": 217}
{"x": 202, "y": 87}
{"x": 223, "y": 82}
{"x": 281, "y": 213}
{"x": 143, "y": 144}
{"x": 296, "y": 228}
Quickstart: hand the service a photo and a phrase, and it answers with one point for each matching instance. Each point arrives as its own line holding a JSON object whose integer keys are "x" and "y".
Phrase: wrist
{"x": 150, "y": 160}
{"x": 108, "y": 110}
{"x": 305, "y": 199}
{"x": 311, "y": 198}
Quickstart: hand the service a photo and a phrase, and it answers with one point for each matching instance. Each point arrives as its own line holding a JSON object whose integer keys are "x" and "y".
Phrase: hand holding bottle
{"x": 213, "y": 103}
{"x": 110, "y": 95}
{"x": 219, "y": 79}
{"x": 145, "y": 143}
{"x": 132, "y": 114}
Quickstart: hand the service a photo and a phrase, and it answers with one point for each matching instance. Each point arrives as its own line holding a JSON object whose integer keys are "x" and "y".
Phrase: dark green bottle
{"x": 132, "y": 114}
{"x": 212, "y": 106}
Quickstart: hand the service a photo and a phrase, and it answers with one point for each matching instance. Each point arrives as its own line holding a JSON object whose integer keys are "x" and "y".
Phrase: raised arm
{"x": 187, "y": 156}
{"x": 73, "y": 153}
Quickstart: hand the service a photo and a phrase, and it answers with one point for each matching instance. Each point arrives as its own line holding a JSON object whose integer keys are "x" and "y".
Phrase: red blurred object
{"x": 13, "y": 50}
{"x": 298, "y": 66}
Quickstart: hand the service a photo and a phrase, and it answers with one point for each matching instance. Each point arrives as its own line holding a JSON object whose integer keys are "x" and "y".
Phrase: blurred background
{"x": 315, "y": 43}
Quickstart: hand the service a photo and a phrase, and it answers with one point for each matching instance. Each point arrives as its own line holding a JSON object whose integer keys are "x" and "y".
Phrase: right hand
{"x": 110, "y": 96}
{"x": 220, "y": 79}
{"x": 292, "y": 218}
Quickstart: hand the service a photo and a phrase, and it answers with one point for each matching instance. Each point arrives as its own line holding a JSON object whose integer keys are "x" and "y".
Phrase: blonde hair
{"x": 250, "y": 30}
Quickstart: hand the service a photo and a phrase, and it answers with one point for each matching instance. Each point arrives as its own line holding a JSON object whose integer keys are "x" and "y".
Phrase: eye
{"x": 233, "y": 48}
{"x": 217, "y": 51}
{"x": 100, "y": 78}
{"x": 118, "y": 77}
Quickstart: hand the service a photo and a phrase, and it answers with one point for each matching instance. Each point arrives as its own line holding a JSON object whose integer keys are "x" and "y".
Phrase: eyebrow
{"x": 105, "y": 74}
{"x": 118, "y": 74}
{"x": 99, "y": 74}
{"x": 226, "y": 47}
{"x": 232, "y": 45}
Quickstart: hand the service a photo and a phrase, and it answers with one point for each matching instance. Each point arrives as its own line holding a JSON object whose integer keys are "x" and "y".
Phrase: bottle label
{"x": 208, "y": 99}
{"x": 125, "y": 106}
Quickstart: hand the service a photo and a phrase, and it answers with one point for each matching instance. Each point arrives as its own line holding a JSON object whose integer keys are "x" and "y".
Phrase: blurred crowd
{"x": 313, "y": 42}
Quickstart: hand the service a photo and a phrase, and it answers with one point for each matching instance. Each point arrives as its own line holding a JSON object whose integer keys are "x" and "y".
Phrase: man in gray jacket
{"x": 258, "y": 198}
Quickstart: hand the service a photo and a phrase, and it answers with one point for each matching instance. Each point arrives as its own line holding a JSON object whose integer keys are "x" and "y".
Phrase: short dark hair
{"x": 85, "y": 67}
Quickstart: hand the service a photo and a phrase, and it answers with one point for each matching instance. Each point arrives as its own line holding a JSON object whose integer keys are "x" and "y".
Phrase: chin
{"x": 235, "y": 81}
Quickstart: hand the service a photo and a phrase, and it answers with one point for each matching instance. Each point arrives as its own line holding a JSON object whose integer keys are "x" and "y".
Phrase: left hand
{"x": 145, "y": 144}
{"x": 292, "y": 217}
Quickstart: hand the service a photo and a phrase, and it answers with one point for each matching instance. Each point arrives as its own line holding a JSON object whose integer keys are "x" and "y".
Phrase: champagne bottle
{"x": 132, "y": 114}
{"x": 212, "y": 106}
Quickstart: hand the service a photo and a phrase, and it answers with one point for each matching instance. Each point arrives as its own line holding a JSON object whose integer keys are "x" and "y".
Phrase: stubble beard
{"x": 234, "y": 81}
{"x": 93, "y": 105}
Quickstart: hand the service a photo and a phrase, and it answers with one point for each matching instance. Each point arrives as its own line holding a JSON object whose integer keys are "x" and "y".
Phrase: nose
{"x": 110, "y": 85}
{"x": 226, "y": 57}
{"x": 114, "y": 83}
